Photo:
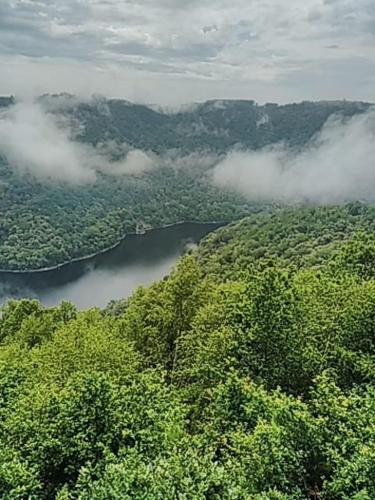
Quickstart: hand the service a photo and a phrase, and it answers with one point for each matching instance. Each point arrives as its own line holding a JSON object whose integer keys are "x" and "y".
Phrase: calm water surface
{"x": 138, "y": 260}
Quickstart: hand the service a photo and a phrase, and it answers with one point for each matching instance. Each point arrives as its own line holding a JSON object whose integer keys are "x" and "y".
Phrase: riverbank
{"x": 105, "y": 250}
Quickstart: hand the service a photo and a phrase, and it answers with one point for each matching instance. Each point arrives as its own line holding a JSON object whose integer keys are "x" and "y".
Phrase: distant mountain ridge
{"x": 213, "y": 125}
{"x": 216, "y": 125}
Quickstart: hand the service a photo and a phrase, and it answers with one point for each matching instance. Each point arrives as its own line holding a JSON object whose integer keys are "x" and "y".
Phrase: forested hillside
{"x": 44, "y": 222}
{"x": 247, "y": 374}
{"x": 304, "y": 237}
{"x": 215, "y": 125}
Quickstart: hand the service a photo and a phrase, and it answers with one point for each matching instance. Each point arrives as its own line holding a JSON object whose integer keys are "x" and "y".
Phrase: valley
{"x": 201, "y": 360}
{"x": 47, "y": 221}
{"x": 187, "y": 250}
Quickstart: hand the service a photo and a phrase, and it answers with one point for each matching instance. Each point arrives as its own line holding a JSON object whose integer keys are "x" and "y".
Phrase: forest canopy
{"x": 247, "y": 373}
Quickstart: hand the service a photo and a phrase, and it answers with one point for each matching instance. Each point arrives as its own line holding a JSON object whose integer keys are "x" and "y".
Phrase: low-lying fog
{"x": 336, "y": 165}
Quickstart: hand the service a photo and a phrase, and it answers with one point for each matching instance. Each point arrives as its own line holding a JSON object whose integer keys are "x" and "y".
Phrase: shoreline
{"x": 105, "y": 250}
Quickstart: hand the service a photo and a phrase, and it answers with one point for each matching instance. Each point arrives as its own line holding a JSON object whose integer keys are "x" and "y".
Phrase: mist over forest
{"x": 78, "y": 174}
{"x": 187, "y": 250}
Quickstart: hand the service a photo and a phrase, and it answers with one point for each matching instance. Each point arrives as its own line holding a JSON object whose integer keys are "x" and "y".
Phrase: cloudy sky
{"x": 178, "y": 51}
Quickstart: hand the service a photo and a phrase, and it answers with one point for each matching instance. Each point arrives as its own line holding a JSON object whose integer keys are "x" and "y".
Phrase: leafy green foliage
{"x": 305, "y": 237}
{"x": 223, "y": 381}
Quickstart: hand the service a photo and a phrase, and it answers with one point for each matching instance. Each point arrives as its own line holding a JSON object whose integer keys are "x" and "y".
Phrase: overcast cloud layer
{"x": 173, "y": 51}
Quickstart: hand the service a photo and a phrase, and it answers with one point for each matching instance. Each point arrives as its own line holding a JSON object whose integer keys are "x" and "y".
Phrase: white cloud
{"x": 136, "y": 162}
{"x": 338, "y": 165}
{"x": 33, "y": 141}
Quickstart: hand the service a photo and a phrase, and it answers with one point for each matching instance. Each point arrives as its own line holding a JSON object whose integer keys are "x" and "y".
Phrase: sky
{"x": 171, "y": 52}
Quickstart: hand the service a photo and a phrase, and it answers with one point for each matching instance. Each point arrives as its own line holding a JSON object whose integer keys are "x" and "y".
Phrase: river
{"x": 137, "y": 260}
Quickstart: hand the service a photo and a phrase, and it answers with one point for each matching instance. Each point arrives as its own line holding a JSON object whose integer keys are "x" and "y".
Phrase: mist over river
{"x": 115, "y": 274}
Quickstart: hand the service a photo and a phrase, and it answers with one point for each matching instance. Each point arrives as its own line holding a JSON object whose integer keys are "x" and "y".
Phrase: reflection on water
{"x": 138, "y": 260}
